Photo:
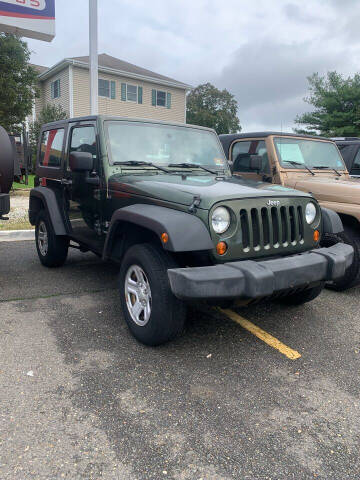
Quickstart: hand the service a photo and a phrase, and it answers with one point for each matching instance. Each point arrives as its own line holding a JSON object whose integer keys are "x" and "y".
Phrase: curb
{"x": 16, "y": 235}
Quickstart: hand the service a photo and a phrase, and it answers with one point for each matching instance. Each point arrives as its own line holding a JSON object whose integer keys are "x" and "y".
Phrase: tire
{"x": 163, "y": 317}
{"x": 7, "y": 157}
{"x": 52, "y": 249}
{"x": 352, "y": 275}
{"x": 302, "y": 297}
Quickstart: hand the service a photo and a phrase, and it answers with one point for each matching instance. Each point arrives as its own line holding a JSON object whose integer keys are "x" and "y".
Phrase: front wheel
{"x": 153, "y": 314}
{"x": 303, "y": 297}
{"x": 52, "y": 249}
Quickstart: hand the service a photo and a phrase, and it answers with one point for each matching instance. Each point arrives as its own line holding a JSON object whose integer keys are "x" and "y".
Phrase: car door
{"x": 240, "y": 155}
{"x": 83, "y": 196}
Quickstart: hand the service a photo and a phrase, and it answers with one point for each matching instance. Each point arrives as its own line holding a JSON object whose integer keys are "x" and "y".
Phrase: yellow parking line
{"x": 264, "y": 336}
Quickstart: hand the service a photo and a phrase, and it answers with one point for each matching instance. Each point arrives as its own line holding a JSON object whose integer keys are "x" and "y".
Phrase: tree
{"x": 337, "y": 106}
{"x": 18, "y": 82}
{"x": 214, "y": 108}
{"x": 50, "y": 113}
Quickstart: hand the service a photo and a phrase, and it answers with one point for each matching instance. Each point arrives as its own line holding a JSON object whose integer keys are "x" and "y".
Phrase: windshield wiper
{"x": 192, "y": 165}
{"x": 324, "y": 167}
{"x": 140, "y": 163}
{"x": 301, "y": 165}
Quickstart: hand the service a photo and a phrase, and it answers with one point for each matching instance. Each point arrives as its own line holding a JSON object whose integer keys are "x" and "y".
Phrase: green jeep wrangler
{"x": 159, "y": 199}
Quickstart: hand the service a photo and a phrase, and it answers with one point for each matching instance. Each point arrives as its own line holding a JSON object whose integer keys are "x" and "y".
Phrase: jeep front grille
{"x": 266, "y": 227}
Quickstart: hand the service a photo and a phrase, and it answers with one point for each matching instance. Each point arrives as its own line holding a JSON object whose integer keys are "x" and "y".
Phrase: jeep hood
{"x": 330, "y": 189}
{"x": 181, "y": 189}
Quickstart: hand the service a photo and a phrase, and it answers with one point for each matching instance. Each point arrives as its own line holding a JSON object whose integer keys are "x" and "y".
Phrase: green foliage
{"x": 210, "y": 107}
{"x": 18, "y": 82}
{"x": 50, "y": 113}
{"x": 337, "y": 106}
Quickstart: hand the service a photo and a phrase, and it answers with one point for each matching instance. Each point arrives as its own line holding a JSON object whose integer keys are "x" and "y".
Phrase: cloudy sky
{"x": 260, "y": 50}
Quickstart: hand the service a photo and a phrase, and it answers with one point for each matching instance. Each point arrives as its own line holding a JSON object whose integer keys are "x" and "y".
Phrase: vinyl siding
{"x": 64, "y": 99}
{"x": 108, "y": 106}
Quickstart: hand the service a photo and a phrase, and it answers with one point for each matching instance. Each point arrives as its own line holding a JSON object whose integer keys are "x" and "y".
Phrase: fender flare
{"x": 186, "y": 232}
{"x": 48, "y": 198}
{"x": 331, "y": 221}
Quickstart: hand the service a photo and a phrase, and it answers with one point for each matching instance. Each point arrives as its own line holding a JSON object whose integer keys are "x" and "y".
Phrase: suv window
{"x": 51, "y": 148}
{"x": 241, "y": 152}
{"x": 356, "y": 164}
{"x": 83, "y": 139}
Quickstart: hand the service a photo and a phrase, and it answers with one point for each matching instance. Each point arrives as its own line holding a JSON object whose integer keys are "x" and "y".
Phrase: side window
{"x": 51, "y": 148}
{"x": 83, "y": 139}
{"x": 356, "y": 164}
{"x": 241, "y": 152}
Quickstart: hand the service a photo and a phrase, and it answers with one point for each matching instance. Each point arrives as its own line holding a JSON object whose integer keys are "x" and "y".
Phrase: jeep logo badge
{"x": 273, "y": 203}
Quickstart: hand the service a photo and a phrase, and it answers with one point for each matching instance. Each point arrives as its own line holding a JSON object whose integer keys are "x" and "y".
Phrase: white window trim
{"x": 137, "y": 93}
{"x": 166, "y": 92}
{"x": 105, "y": 96}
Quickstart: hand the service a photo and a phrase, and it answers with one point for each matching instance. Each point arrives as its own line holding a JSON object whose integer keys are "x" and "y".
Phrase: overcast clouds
{"x": 261, "y": 51}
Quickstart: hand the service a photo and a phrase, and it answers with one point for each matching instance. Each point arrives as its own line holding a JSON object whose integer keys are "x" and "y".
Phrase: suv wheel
{"x": 153, "y": 314}
{"x": 52, "y": 249}
{"x": 302, "y": 297}
{"x": 352, "y": 275}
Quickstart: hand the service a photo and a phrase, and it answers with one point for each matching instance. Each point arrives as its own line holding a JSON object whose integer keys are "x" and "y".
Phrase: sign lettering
{"x": 34, "y": 4}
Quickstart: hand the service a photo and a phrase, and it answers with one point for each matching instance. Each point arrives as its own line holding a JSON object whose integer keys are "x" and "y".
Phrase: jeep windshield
{"x": 296, "y": 153}
{"x": 176, "y": 147}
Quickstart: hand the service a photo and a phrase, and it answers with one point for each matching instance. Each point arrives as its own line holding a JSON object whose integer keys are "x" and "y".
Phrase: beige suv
{"x": 310, "y": 164}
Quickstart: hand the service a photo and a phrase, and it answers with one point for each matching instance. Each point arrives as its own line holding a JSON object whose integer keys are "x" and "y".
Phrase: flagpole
{"x": 93, "y": 42}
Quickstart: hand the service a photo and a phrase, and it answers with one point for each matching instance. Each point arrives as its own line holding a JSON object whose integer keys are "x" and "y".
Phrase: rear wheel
{"x": 302, "y": 297}
{"x": 153, "y": 314}
{"x": 52, "y": 249}
{"x": 352, "y": 276}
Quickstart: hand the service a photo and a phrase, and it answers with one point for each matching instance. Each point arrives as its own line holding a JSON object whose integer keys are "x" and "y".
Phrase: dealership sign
{"x": 28, "y": 18}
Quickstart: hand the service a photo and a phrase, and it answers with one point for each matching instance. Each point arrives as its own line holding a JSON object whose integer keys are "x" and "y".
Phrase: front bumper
{"x": 251, "y": 279}
{"x": 4, "y": 204}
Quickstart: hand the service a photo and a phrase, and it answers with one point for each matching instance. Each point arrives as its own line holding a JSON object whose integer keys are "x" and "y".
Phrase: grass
{"x": 22, "y": 186}
{"x": 21, "y": 225}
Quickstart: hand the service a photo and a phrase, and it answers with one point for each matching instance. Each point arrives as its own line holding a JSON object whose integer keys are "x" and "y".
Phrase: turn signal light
{"x": 221, "y": 248}
{"x": 164, "y": 237}
{"x": 316, "y": 235}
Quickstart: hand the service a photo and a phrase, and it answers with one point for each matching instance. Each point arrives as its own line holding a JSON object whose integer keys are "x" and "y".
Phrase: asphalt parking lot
{"x": 81, "y": 399}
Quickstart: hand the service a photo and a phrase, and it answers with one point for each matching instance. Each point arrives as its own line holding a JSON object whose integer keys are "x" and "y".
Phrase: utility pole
{"x": 93, "y": 37}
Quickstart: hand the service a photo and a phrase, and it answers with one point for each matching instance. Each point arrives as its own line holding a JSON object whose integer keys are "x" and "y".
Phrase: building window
{"x": 107, "y": 88}
{"x": 160, "y": 98}
{"x": 131, "y": 93}
{"x": 55, "y": 89}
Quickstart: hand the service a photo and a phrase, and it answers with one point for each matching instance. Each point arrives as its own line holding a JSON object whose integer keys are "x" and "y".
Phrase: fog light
{"x": 316, "y": 235}
{"x": 221, "y": 248}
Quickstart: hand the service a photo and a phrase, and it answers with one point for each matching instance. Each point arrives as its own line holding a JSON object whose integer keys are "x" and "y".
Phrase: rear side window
{"x": 356, "y": 164}
{"x": 51, "y": 148}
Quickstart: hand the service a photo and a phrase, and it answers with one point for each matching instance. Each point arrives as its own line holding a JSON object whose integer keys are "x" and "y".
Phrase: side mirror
{"x": 81, "y": 162}
{"x": 255, "y": 162}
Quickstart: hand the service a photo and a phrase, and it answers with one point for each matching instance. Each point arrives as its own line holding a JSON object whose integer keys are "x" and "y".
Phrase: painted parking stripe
{"x": 260, "y": 333}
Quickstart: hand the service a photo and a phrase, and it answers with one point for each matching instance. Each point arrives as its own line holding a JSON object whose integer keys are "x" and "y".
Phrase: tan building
{"x": 124, "y": 89}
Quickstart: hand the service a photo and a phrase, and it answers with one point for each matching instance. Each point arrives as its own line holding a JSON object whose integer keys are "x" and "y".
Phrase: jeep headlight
{"x": 310, "y": 213}
{"x": 220, "y": 219}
